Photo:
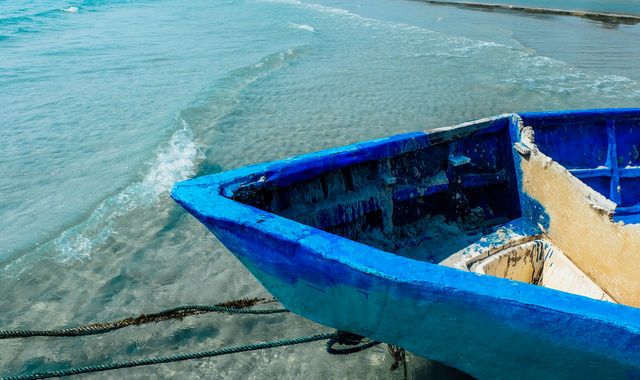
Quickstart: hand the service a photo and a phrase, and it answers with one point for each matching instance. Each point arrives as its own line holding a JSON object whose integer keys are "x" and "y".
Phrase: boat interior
{"x": 535, "y": 198}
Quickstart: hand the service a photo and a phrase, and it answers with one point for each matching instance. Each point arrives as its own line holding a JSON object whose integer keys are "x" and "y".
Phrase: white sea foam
{"x": 456, "y": 44}
{"x": 70, "y": 9}
{"x": 173, "y": 162}
{"x": 306, "y": 27}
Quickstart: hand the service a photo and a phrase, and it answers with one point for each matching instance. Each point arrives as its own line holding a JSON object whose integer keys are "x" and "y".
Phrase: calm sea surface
{"x": 104, "y": 105}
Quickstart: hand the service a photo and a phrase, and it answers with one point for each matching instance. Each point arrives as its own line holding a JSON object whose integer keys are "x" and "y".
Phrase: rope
{"x": 235, "y": 307}
{"x": 232, "y": 307}
{"x": 399, "y": 357}
{"x": 173, "y": 358}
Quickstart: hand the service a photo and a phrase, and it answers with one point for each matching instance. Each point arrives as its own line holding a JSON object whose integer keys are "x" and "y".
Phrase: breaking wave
{"x": 178, "y": 159}
{"x": 175, "y": 161}
{"x": 70, "y": 9}
{"x": 305, "y": 27}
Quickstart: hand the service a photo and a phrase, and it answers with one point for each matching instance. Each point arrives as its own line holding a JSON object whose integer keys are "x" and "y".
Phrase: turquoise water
{"x": 106, "y": 104}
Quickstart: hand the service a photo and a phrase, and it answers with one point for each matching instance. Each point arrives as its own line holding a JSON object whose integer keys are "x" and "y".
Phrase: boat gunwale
{"x": 287, "y": 171}
{"x": 551, "y": 116}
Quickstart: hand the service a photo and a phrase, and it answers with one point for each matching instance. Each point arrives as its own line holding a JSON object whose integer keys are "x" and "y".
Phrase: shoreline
{"x": 613, "y": 18}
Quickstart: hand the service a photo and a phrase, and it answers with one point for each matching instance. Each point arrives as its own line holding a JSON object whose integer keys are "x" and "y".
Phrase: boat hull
{"x": 489, "y": 327}
{"x": 490, "y": 336}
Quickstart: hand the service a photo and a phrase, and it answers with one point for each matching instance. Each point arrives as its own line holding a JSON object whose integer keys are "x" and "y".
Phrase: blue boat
{"x": 507, "y": 247}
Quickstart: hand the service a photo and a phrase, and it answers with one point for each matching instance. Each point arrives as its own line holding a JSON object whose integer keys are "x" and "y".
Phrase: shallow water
{"x": 106, "y": 104}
